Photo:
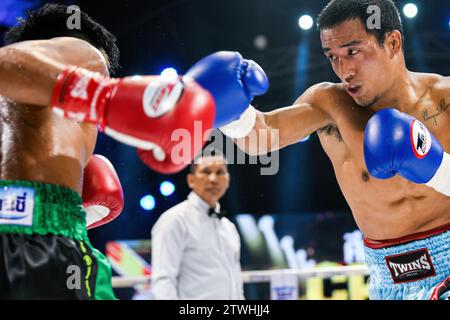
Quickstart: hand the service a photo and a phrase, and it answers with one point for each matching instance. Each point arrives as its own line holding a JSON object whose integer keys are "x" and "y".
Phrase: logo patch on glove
{"x": 160, "y": 96}
{"x": 80, "y": 88}
{"x": 420, "y": 139}
{"x": 410, "y": 266}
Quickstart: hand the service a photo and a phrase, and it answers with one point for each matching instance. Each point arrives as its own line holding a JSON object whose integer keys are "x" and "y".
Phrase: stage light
{"x": 136, "y": 77}
{"x": 148, "y": 202}
{"x": 305, "y": 22}
{"x": 260, "y": 42}
{"x": 167, "y": 188}
{"x": 305, "y": 139}
{"x": 169, "y": 73}
{"x": 410, "y": 10}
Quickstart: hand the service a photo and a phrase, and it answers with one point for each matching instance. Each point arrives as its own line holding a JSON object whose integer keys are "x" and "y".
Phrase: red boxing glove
{"x": 102, "y": 192}
{"x": 142, "y": 112}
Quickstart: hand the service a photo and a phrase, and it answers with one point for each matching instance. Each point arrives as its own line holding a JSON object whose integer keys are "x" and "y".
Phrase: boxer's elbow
{"x": 12, "y": 59}
{"x": 26, "y": 76}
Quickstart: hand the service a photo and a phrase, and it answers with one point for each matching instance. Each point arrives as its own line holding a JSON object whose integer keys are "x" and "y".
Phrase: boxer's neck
{"x": 402, "y": 95}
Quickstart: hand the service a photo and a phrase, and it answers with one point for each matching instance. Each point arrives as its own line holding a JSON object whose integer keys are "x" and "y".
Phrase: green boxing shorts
{"x": 45, "y": 252}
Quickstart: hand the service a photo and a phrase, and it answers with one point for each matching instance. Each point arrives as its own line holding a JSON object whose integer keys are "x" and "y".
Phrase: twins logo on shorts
{"x": 420, "y": 139}
{"x": 410, "y": 266}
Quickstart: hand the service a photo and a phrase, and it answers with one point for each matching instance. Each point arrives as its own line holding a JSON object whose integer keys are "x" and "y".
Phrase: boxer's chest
{"x": 344, "y": 145}
{"x": 344, "y": 140}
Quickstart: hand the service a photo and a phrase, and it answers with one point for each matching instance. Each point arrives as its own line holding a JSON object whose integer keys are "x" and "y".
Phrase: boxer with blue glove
{"x": 393, "y": 170}
{"x": 233, "y": 82}
{"x": 397, "y": 143}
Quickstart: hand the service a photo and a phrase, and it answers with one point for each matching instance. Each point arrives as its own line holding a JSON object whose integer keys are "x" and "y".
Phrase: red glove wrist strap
{"x": 81, "y": 95}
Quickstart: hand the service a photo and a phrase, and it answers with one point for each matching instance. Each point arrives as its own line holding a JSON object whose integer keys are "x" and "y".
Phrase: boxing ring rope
{"x": 258, "y": 276}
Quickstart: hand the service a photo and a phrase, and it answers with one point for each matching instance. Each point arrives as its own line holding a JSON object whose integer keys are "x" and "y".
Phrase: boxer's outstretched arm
{"x": 287, "y": 125}
{"x": 29, "y": 69}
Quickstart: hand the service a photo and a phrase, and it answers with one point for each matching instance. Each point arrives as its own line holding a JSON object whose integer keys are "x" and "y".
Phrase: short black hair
{"x": 339, "y": 11}
{"x": 207, "y": 152}
{"x": 51, "y": 21}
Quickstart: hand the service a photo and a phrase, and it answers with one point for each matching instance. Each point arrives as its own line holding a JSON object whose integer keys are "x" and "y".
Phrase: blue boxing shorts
{"x": 416, "y": 267}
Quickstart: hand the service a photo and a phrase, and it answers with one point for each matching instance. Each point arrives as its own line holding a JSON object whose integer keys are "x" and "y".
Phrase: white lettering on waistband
{"x": 16, "y": 206}
{"x": 410, "y": 266}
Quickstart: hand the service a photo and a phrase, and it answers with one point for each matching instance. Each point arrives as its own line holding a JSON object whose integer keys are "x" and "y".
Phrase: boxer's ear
{"x": 394, "y": 42}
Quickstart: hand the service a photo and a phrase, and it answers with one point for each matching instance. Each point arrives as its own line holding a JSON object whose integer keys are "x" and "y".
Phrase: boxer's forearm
{"x": 261, "y": 139}
{"x": 27, "y": 76}
{"x": 282, "y": 127}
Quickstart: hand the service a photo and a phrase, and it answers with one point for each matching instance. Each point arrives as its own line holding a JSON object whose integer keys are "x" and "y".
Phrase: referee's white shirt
{"x": 194, "y": 255}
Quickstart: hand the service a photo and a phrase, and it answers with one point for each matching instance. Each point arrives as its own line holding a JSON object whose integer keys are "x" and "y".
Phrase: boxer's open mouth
{"x": 353, "y": 90}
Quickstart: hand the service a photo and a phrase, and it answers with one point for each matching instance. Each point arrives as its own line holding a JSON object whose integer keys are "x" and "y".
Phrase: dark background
{"x": 153, "y": 35}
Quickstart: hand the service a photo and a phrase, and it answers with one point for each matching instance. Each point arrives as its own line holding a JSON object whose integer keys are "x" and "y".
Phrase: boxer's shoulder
{"x": 328, "y": 96}
{"x": 323, "y": 89}
{"x": 433, "y": 93}
{"x": 440, "y": 86}
{"x": 68, "y": 50}
{"x": 430, "y": 85}
{"x": 82, "y": 54}
{"x": 319, "y": 94}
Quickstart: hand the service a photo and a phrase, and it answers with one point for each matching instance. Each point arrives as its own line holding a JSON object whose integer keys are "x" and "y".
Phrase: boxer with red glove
{"x": 102, "y": 192}
{"x": 139, "y": 111}
{"x": 145, "y": 111}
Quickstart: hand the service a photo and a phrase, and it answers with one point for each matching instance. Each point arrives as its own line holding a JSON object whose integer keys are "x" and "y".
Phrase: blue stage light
{"x": 167, "y": 188}
{"x": 148, "y": 202}
{"x": 10, "y": 10}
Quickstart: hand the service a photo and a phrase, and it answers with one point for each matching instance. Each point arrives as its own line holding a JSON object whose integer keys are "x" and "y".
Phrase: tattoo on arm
{"x": 331, "y": 130}
{"x": 441, "y": 108}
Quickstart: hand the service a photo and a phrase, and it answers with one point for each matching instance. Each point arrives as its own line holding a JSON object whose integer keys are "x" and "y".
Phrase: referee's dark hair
{"x": 207, "y": 152}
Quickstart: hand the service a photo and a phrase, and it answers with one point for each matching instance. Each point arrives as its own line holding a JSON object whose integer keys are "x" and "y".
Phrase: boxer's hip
{"x": 45, "y": 252}
{"x": 28, "y": 207}
{"x": 409, "y": 267}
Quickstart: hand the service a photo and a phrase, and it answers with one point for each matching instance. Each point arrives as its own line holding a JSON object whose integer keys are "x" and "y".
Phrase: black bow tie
{"x": 213, "y": 213}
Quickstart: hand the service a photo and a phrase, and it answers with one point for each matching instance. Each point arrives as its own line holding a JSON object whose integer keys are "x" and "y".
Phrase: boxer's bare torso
{"x": 374, "y": 76}
{"x": 36, "y": 144}
{"x": 385, "y": 209}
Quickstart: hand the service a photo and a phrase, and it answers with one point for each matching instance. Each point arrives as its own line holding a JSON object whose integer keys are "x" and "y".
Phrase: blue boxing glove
{"x": 232, "y": 81}
{"x": 397, "y": 143}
